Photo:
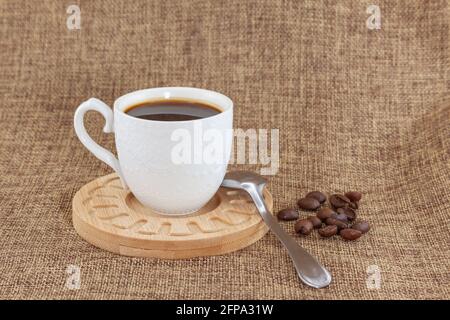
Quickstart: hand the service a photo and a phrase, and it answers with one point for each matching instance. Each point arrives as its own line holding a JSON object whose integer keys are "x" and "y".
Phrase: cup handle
{"x": 98, "y": 151}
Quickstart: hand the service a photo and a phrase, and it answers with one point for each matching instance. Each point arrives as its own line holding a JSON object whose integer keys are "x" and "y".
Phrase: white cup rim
{"x": 143, "y": 95}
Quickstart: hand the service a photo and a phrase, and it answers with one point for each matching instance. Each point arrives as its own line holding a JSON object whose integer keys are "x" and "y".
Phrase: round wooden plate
{"x": 107, "y": 216}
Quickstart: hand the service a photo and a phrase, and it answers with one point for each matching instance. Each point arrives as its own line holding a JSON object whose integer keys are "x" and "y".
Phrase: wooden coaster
{"x": 107, "y": 216}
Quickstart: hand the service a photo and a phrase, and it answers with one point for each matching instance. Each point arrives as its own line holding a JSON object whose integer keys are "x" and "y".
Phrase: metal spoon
{"x": 308, "y": 268}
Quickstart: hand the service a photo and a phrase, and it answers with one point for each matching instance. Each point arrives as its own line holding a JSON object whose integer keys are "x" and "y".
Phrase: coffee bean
{"x": 339, "y": 200}
{"x": 348, "y": 212}
{"x": 354, "y": 205}
{"x": 319, "y": 196}
{"x": 328, "y": 231}
{"x": 354, "y": 196}
{"x": 303, "y": 226}
{"x": 362, "y": 226}
{"x": 317, "y": 223}
{"x": 350, "y": 234}
{"x": 340, "y": 216}
{"x": 288, "y": 214}
{"x": 325, "y": 213}
{"x": 308, "y": 203}
{"x": 336, "y": 222}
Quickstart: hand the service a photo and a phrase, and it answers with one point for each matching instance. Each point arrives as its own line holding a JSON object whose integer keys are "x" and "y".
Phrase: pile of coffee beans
{"x": 337, "y": 218}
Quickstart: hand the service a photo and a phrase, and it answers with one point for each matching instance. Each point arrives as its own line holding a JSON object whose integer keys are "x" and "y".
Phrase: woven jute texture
{"x": 357, "y": 109}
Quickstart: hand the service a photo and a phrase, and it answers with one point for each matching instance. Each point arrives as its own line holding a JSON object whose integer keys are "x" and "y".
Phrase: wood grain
{"x": 111, "y": 218}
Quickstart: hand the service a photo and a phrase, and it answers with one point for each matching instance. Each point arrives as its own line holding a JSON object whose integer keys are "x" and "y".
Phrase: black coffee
{"x": 172, "y": 110}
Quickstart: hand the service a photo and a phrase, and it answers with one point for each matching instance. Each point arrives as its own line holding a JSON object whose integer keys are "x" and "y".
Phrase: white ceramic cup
{"x": 149, "y": 151}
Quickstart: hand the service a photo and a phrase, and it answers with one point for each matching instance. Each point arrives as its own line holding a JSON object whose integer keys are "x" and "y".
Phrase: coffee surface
{"x": 172, "y": 110}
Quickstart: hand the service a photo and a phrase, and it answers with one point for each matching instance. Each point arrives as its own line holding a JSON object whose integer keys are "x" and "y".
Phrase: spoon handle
{"x": 308, "y": 268}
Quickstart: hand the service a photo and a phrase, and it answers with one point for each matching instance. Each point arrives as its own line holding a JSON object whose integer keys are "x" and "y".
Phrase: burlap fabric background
{"x": 358, "y": 109}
